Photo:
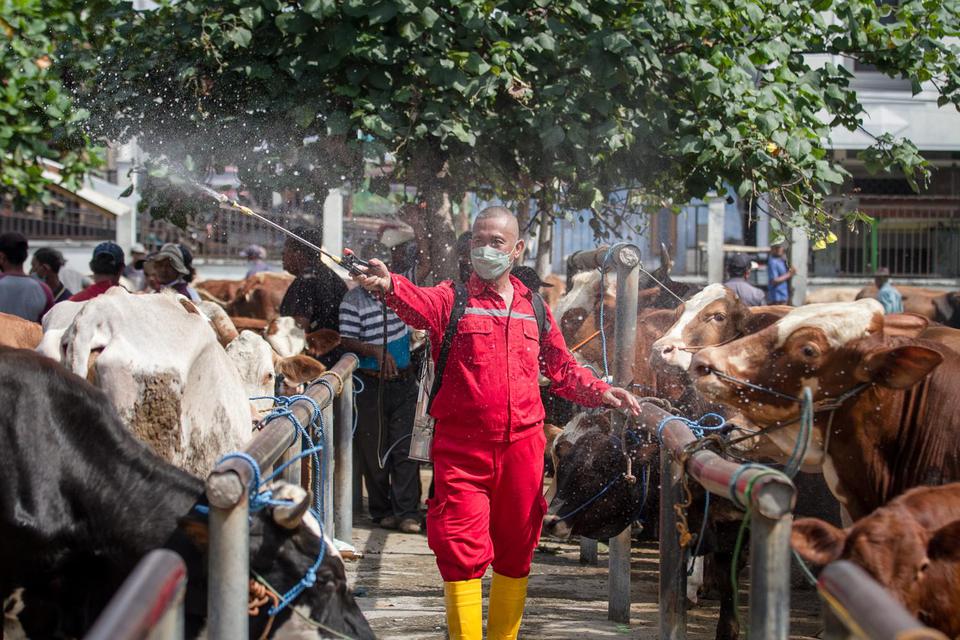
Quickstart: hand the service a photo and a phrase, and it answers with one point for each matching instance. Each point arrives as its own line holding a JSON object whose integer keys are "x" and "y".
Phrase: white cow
{"x": 165, "y": 373}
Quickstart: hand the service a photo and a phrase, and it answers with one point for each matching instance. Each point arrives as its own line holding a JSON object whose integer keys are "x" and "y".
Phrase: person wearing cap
{"x": 738, "y": 272}
{"x": 173, "y": 269}
{"x": 313, "y": 298}
{"x": 887, "y": 294}
{"x": 107, "y": 267}
{"x": 778, "y": 275}
{"x": 20, "y": 295}
{"x": 383, "y": 432}
{"x": 132, "y": 271}
{"x": 45, "y": 266}
{"x": 256, "y": 259}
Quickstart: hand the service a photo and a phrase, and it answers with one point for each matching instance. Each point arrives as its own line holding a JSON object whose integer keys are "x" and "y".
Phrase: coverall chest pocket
{"x": 530, "y": 347}
{"x": 476, "y": 339}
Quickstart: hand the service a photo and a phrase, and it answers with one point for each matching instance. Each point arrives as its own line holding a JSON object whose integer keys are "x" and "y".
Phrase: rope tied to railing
{"x": 261, "y": 496}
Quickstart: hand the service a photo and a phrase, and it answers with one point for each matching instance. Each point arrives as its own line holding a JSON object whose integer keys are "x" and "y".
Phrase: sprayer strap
{"x": 459, "y": 306}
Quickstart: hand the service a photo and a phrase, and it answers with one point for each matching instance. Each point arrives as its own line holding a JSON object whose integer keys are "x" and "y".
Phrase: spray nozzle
{"x": 352, "y": 263}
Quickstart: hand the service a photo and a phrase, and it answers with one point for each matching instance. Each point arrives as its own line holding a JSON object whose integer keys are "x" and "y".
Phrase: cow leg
{"x": 722, "y": 565}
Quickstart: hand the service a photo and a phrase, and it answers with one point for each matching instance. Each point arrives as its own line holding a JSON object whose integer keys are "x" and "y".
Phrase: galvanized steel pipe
{"x": 343, "y": 486}
{"x": 859, "y": 606}
{"x": 148, "y": 604}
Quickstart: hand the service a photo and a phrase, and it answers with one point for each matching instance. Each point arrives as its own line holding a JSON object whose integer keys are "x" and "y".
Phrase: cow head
{"x": 258, "y": 364}
{"x": 830, "y": 348}
{"x": 900, "y": 545}
{"x": 711, "y": 317}
{"x": 590, "y": 495}
{"x": 285, "y": 541}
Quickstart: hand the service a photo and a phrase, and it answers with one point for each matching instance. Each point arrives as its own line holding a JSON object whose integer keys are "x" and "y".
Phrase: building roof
{"x": 92, "y": 194}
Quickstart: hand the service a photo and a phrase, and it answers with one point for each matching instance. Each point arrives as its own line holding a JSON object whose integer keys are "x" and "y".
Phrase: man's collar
{"x": 476, "y": 286}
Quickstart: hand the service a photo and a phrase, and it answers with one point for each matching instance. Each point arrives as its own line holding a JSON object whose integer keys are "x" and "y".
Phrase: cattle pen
{"x": 396, "y": 580}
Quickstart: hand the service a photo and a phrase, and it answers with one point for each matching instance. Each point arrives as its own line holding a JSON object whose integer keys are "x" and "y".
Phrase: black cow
{"x": 81, "y": 501}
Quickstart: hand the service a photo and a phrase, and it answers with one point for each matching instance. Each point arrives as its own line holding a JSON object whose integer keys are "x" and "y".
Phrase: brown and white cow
{"x": 897, "y": 423}
{"x": 19, "y": 333}
{"x": 911, "y": 546}
{"x": 260, "y": 296}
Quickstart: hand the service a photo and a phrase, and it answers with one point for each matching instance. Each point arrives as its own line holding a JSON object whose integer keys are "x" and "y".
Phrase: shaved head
{"x": 497, "y": 227}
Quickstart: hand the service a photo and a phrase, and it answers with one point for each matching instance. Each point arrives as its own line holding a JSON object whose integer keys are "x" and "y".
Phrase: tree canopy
{"x": 564, "y": 101}
{"x": 38, "y": 117}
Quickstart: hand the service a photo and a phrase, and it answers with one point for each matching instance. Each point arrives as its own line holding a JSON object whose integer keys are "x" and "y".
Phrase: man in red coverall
{"x": 488, "y": 446}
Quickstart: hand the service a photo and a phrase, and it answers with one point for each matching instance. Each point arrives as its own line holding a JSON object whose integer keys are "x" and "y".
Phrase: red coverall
{"x": 488, "y": 445}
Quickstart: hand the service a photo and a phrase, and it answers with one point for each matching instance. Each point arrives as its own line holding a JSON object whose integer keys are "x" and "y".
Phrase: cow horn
{"x": 665, "y": 257}
{"x": 290, "y": 516}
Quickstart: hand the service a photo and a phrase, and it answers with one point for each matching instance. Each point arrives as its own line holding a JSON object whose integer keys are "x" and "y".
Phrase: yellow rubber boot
{"x": 507, "y": 597}
{"x": 464, "y": 602}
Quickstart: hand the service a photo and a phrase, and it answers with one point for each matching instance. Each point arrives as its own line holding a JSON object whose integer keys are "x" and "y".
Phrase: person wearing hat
{"x": 20, "y": 295}
{"x": 134, "y": 273}
{"x": 887, "y": 294}
{"x": 778, "y": 275}
{"x": 384, "y": 417}
{"x": 738, "y": 272}
{"x": 173, "y": 269}
{"x": 107, "y": 267}
{"x": 45, "y": 266}
{"x": 256, "y": 259}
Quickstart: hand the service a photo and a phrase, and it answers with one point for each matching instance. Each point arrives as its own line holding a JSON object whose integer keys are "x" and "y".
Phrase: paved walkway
{"x": 402, "y": 595}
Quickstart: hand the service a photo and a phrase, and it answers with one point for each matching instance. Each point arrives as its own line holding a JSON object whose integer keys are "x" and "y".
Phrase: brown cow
{"x": 893, "y": 408}
{"x": 911, "y": 546}
{"x": 939, "y": 306}
{"x": 221, "y": 292}
{"x": 260, "y": 296}
{"x": 19, "y": 333}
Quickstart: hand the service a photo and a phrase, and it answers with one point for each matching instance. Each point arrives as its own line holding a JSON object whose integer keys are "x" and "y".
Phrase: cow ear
{"x": 322, "y": 341}
{"x": 762, "y": 317}
{"x": 905, "y": 325}
{"x": 299, "y": 369}
{"x": 943, "y": 544}
{"x": 817, "y": 541}
{"x": 899, "y": 367}
{"x": 197, "y": 531}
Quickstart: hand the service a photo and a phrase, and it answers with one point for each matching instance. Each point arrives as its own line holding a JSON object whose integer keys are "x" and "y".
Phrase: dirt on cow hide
{"x": 156, "y": 415}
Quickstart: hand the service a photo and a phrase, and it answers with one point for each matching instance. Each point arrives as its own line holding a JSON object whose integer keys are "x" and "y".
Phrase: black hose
{"x": 383, "y": 379}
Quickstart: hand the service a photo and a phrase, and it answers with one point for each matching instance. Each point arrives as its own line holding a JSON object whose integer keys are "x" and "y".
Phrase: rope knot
{"x": 309, "y": 579}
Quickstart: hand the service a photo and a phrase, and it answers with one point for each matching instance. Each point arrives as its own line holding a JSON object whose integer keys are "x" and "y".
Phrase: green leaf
{"x": 552, "y": 137}
{"x": 240, "y": 36}
{"x": 428, "y": 17}
{"x": 546, "y": 41}
{"x": 383, "y": 12}
{"x": 476, "y": 65}
{"x": 294, "y": 22}
{"x": 319, "y": 8}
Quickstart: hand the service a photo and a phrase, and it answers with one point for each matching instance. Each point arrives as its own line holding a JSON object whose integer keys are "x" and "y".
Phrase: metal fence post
{"x": 229, "y": 571}
{"x": 770, "y": 576}
{"x": 343, "y": 466}
{"x": 626, "y": 257}
{"x": 588, "y": 551}
{"x": 329, "y": 468}
{"x": 673, "y": 565}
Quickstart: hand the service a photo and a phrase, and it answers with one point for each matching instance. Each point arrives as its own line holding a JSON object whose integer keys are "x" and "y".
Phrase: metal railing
{"x": 40, "y": 228}
{"x": 227, "y": 493}
{"x": 149, "y": 604}
{"x": 624, "y": 258}
{"x": 854, "y": 605}
{"x": 770, "y": 497}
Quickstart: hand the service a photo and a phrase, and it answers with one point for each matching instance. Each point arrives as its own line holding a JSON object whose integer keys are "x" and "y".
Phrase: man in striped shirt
{"x": 383, "y": 435}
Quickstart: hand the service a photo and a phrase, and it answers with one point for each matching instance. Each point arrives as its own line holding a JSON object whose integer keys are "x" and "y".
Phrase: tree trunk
{"x": 462, "y": 220}
{"x": 545, "y": 245}
{"x": 438, "y": 224}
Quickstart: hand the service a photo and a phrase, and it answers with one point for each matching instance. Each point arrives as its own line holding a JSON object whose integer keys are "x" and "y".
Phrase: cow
{"x": 19, "y": 333}
{"x": 911, "y": 546}
{"x": 556, "y": 290}
{"x": 831, "y": 294}
{"x": 885, "y": 413}
{"x": 260, "y": 296}
{"x": 221, "y": 292}
{"x": 158, "y": 359}
{"x": 939, "y": 306}
{"x": 82, "y": 500}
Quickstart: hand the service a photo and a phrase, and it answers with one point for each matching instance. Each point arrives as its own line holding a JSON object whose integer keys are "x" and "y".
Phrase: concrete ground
{"x": 401, "y": 593}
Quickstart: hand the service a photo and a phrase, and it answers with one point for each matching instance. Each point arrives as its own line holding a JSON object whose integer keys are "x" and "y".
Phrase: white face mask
{"x": 490, "y": 263}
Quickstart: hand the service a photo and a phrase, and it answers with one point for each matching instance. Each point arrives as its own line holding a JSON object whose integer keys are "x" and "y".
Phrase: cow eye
{"x": 810, "y": 351}
{"x": 719, "y": 317}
